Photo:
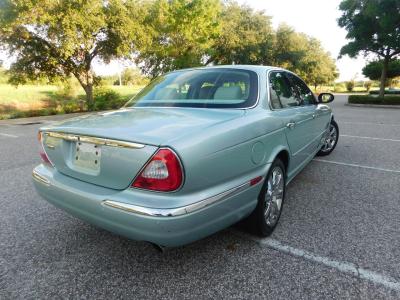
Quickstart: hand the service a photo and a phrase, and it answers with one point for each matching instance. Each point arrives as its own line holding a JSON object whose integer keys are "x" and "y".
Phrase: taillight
{"x": 162, "y": 173}
{"x": 42, "y": 152}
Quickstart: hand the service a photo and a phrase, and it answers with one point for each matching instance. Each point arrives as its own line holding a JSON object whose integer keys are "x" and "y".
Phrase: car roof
{"x": 255, "y": 68}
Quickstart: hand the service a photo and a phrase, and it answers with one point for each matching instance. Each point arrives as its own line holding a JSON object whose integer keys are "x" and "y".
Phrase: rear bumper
{"x": 117, "y": 212}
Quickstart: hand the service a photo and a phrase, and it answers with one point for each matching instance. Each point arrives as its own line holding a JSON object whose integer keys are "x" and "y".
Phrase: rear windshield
{"x": 213, "y": 88}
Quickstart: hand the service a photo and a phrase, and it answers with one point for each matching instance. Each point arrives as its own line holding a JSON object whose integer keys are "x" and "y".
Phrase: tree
{"x": 373, "y": 70}
{"x": 323, "y": 72}
{"x": 350, "y": 85}
{"x": 373, "y": 26}
{"x": 368, "y": 85}
{"x": 56, "y": 39}
{"x": 303, "y": 55}
{"x": 246, "y": 37}
{"x": 182, "y": 32}
{"x": 132, "y": 76}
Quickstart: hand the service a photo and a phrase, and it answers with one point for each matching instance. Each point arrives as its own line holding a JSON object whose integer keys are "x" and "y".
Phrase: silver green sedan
{"x": 194, "y": 152}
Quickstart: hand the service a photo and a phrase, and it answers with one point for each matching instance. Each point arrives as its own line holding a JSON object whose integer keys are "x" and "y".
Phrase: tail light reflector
{"x": 42, "y": 152}
{"x": 162, "y": 173}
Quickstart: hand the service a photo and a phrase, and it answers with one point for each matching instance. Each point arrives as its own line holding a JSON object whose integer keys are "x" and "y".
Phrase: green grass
{"x": 126, "y": 91}
{"x": 26, "y": 95}
{"x": 38, "y": 100}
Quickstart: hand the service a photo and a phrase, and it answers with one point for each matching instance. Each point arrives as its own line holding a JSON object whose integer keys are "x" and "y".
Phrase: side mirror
{"x": 325, "y": 98}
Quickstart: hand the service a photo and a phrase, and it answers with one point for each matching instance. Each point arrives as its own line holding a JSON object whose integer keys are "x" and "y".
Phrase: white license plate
{"x": 87, "y": 156}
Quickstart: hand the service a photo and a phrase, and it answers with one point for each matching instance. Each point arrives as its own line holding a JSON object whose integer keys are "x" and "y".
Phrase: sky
{"x": 317, "y": 18}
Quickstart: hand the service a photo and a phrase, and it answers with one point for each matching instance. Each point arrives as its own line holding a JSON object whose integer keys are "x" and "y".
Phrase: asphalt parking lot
{"x": 338, "y": 237}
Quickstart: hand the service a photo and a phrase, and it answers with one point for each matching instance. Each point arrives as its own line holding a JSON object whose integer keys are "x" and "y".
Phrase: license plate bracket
{"x": 87, "y": 157}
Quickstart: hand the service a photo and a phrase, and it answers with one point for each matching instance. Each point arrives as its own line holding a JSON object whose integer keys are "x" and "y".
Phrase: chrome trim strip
{"x": 93, "y": 140}
{"x": 40, "y": 178}
{"x": 174, "y": 212}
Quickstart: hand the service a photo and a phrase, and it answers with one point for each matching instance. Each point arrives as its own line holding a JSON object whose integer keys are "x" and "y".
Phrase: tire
{"x": 264, "y": 222}
{"x": 331, "y": 140}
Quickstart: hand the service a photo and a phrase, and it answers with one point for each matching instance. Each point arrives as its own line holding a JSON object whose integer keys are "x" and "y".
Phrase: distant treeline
{"x": 63, "y": 38}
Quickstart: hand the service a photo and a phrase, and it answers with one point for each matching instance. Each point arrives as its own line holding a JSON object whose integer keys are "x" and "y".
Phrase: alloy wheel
{"x": 274, "y": 196}
{"x": 330, "y": 140}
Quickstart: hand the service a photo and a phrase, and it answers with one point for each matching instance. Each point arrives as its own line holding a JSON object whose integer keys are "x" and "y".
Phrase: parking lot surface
{"x": 338, "y": 237}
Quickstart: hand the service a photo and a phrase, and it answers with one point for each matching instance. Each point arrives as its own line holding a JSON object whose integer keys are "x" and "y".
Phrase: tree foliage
{"x": 132, "y": 76}
{"x": 246, "y": 37}
{"x": 181, "y": 33}
{"x": 373, "y": 70}
{"x": 57, "y": 39}
{"x": 303, "y": 55}
{"x": 373, "y": 26}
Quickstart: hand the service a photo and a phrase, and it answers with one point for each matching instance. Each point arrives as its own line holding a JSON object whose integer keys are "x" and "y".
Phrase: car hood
{"x": 152, "y": 126}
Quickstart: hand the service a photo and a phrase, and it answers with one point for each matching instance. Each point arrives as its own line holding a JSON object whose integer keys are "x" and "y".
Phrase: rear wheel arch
{"x": 283, "y": 155}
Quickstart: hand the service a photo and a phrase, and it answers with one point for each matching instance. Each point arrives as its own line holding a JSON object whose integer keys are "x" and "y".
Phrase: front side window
{"x": 306, "y": 97}
{"x": 282, "y": 94}
{"x": 205, "y": 88}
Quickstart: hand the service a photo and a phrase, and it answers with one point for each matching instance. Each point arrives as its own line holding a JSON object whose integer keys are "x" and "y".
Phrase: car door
{"x": 320, "y": 112}
{"x": 307, "y": 100}
{"x": 285, "y": 103}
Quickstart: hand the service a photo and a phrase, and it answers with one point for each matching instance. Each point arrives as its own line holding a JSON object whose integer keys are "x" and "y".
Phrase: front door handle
{"x": 291, "y": 125}
{"x": 322, "y": 108}
{"x": 313, "y": 116}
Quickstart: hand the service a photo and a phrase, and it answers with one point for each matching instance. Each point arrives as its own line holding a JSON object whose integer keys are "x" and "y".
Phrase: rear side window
{"x": 306, "y": 97}
{"x": 282, "y": 94}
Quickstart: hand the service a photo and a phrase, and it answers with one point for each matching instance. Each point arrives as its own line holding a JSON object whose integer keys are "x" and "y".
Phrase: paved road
{"x": 338, "y": 236}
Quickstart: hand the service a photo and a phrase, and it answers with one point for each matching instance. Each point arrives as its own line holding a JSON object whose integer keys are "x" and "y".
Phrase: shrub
{"x": 366, "y": 99}
{"x": 387, "y": 92}
{"x": 350, "y": 85}
{"x": 71, "y": 106}
{"x": 68, "y": 89}
{"x": 107, "y": 99}
{"x": 368, "y": 85}
{"x": 33, "y": 113}
{"x": 339, "y": 88}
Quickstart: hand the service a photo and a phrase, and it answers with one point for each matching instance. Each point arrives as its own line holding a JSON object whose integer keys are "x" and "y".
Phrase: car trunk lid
{"x": 105, "y": 162}
{"x": 109, "y": 149}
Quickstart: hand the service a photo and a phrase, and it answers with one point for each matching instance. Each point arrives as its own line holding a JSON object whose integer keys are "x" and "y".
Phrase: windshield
{"x": 212, "y": 88}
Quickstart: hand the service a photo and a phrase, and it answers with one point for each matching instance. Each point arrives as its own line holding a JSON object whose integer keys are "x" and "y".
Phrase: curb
{"x": 41, "y": 119}
{"x": 373, "y": 105}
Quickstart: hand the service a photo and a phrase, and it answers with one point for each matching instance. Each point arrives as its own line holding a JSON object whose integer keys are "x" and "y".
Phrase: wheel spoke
{"x": 278, "y": 202}
{"x": 330, "y": 139}
{"x": 274, "y": 196}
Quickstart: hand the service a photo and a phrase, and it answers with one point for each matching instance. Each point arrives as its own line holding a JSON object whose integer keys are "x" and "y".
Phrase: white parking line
{"x": 343, "y": 267}
{"x": 369, "y": 138}
{"x": 355, "y": 165}
{"x": 8, "y": 135}
{"x": 369, "y": 123}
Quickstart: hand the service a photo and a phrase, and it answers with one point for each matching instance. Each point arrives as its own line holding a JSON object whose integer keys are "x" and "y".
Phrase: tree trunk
{"x": 384, "y": 76}
{"x": 86, "y": 81}
{"x": 89, "y": 96}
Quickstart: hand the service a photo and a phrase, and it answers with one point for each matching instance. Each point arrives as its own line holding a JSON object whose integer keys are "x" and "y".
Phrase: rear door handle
{"x": 291, "y": 125}
{"x": 313, "y": 116}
